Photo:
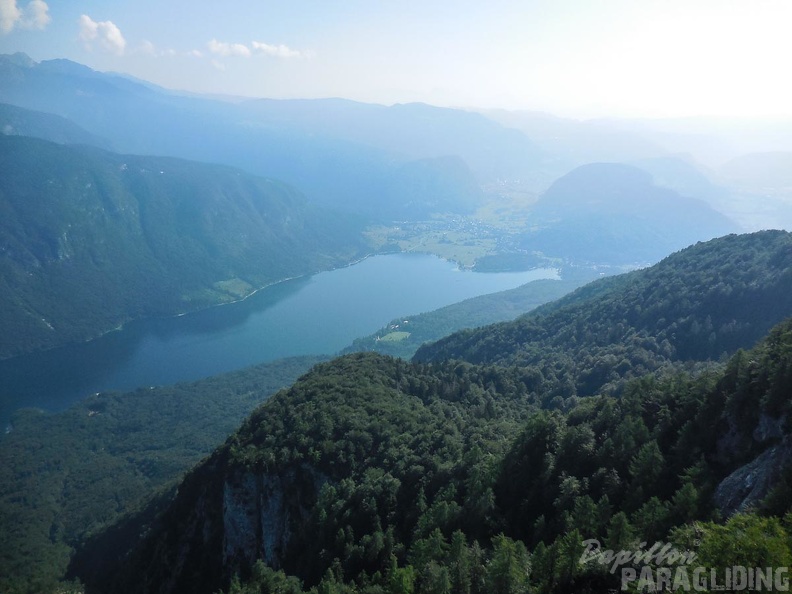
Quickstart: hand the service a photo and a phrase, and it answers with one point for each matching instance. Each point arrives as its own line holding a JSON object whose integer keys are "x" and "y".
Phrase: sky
{"x": 574, "y": 58}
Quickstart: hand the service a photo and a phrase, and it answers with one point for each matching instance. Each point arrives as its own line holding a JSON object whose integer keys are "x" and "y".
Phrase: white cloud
{"x": 195, "y": 53}
{"x": 222, "y": 49}
{"x": 106, "y": 33}
{"x": 33, "y": 16}
{"x": 277, "y": 51}
{"x": 149, "y": 49}
{"x": 36, "y": 15}
{"x": 218, "y": 64}
{"x": 9, "y": 15}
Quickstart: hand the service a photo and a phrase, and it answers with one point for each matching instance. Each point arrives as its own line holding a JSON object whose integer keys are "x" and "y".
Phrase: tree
{"x": 746, "y": 540}
{"x": 509, "y": 568}
{"x": 400, "y": 580}
{"x": 459, "y": 563}
{"x": 651, "y": 520}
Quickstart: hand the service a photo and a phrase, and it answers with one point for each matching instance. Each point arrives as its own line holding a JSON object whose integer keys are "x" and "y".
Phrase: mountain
{"x": 16, "y": 121}
{"x": 697, "y": 304}
{"x": 375, "y": 442}
{"x": 92, "y": 239}
{"x": 372, "y": 474}
{"x": 614, "y": 213}
{"x": 371, "y": 159}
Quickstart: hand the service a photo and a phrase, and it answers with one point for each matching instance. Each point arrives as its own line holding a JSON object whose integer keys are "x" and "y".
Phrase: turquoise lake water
{"x": 320, "y": 314}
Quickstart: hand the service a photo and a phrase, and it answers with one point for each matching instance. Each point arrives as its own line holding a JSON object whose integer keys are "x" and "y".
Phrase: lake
{"x": 320, "y": 314}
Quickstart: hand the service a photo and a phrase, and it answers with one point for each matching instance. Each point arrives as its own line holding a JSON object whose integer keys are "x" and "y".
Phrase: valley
{"x": 320, "y": 345}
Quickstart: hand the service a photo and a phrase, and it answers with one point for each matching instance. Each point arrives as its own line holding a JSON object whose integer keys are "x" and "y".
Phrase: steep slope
{"x": 699, "y": 303}
{"x": 607, "y": 212}
{"x": 348, "y": 448}
{"x": 91, "y": 239}
{"x": 365, "y": 469}
{"x": 67, "y": 475}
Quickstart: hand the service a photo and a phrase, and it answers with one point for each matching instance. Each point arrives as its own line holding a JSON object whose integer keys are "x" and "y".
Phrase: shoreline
{"x": 277, "y": 282}
{"x": 125, "y": 323}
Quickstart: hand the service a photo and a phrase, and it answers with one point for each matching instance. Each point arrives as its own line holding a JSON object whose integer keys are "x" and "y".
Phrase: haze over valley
{"x": 397, "y": 298}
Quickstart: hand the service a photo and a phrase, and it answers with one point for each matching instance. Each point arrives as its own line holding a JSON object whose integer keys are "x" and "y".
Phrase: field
{"x": 395, "y": 336}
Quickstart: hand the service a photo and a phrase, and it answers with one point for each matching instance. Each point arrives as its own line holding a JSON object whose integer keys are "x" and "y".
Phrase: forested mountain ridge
{"x": 697, "y": 304}
{"x": 374, "y": 475}
{"x": 91, "y": 239}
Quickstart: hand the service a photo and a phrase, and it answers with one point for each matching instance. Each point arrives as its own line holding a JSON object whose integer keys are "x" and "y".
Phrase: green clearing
{"x": 395, "y": 336}
{"x": 235, "y": 287}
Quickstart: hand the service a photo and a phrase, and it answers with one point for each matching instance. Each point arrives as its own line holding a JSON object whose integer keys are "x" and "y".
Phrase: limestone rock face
{"x": 749, "y": 484}
{"x": 260, "y": 511}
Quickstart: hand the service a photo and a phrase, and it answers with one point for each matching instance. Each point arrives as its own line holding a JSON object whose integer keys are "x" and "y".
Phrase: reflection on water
{"x": 313, "y": 315}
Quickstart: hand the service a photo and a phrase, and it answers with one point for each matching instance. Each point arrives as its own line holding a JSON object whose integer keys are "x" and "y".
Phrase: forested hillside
{"x": 402, "y": 339}
{"x": 374, "y": 475}
{"x": 697, "y": 304}
{"x": 371, "y": 474}
{"x": 68, "y": 475}
{"x": 91, "y": 239}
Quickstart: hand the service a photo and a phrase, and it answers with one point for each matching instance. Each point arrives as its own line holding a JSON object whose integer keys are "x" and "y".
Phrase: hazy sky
{"x": 569, "y": 57}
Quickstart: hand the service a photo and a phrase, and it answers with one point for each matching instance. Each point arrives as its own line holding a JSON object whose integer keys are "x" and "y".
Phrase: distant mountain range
{"x": 382, "y": 161}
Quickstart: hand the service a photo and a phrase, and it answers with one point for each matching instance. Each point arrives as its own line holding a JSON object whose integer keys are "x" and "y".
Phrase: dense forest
{"x": 91, "y": 239}
{"x": 373, "y": 474}
{"x": 697, "y": 304}
{"x": 67, "y": 475}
